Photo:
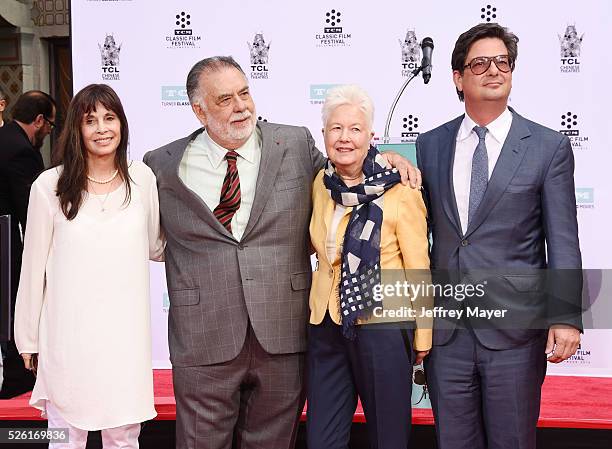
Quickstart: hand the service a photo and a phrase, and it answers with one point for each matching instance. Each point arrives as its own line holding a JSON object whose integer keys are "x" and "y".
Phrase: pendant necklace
{"x": 102, "y": 202}
{"x": 104, "y": 181}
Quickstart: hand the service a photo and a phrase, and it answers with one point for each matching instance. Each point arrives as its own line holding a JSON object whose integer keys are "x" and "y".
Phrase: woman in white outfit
{"x": 82, "y": 315}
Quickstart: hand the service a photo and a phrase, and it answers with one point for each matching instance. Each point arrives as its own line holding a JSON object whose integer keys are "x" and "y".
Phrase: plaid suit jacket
{"x": 216, "y": 284}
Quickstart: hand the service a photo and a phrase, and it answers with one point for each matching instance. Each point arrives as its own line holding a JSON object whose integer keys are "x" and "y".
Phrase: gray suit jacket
{"x": 526, "y": 222}
{"x": 218, "y": 285}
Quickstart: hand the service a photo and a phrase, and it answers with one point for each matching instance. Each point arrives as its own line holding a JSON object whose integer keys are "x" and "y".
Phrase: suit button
{"x": 464, "y": 243}
{"x": 240, "y": 247}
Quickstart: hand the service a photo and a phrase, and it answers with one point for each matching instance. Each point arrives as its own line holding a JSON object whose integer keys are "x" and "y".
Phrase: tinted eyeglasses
{"x": 481, "y": 64}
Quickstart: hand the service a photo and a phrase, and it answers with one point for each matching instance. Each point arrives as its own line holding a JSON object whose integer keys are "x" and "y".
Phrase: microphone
{"x": 427, "y": 47}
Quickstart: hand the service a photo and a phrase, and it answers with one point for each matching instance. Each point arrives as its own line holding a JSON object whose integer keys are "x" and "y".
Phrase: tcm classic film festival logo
{"x": 411, "y": 53}
{"x": 109, "y": 54}
{"x": 582, "y": 356}
{"x": 570, "y": 50}
{"x": 570, "y": 127}
{"x": 334, "y": 35}
{"x": 183, "y": 36}
{"x": 258, "y": 54}
{"x": 410, "y": 126}
{"x": 488, "y": 13}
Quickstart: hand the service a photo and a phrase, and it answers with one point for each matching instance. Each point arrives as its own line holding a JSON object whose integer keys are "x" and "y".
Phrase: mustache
{"x": 240, "y": 116}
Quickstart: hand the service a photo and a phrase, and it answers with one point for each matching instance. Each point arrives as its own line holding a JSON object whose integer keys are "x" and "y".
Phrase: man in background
{"x": 3, "y": 105}
{"x": 20, "y": 164}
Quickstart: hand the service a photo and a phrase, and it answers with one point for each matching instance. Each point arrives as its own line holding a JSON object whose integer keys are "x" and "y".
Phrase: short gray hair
{"x": 350, "y": 94}
{"x": 212, "y": 64}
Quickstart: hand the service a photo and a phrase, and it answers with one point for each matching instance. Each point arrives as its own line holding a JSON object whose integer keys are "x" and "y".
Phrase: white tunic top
{"x": 83, "y": 302}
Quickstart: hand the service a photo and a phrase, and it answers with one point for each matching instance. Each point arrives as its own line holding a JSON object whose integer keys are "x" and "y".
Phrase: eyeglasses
{"x": 51, "y": 124}
{"x": 481, "y": 64}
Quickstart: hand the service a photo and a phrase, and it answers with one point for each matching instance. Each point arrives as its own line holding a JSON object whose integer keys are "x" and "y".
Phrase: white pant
{"x": 124, "y": 437}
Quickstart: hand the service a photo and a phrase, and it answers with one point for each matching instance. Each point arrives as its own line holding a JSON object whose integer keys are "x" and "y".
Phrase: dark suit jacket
{"x": 20, "y": 165}
{"x": 526, "y": 223}
{"x": 217, "y": 285}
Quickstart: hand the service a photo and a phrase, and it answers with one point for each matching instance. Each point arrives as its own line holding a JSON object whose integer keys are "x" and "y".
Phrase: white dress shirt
{"x": 467, "y": 141}
{"x": 203, "y": 170}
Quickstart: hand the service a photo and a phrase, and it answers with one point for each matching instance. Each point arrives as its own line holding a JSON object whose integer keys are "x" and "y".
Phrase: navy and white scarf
{"x": 361, "y": 250}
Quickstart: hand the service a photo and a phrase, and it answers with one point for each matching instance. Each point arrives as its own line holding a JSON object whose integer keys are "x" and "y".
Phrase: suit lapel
{"x": 189, "y": 197}
{"x": 273, "y": 147}
{"x": 511, "y": 155}
{"x": 446, "y": 159}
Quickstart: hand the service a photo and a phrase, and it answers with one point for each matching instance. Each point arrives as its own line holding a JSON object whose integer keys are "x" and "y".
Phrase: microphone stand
{"x": 413, "y": 75}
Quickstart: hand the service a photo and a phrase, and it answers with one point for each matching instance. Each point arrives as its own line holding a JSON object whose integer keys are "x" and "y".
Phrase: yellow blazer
{"x": 404, "y": 246}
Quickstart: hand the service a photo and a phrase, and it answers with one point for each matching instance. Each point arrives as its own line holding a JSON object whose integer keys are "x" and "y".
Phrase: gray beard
{"x": 230, "y": 133}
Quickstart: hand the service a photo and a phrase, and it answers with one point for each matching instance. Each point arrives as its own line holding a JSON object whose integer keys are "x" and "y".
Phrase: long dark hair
{"x": 72, "y": 153}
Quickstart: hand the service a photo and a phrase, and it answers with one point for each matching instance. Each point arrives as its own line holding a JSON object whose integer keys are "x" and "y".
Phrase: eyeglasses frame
{"x": 490, "y": 59}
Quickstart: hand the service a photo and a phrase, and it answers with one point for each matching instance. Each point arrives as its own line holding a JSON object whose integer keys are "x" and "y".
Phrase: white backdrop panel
{"x": 155, "y": 55}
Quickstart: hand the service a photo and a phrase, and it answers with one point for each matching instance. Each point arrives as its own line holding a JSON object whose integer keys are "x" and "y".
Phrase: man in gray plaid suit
{"x": 235, "y": 201}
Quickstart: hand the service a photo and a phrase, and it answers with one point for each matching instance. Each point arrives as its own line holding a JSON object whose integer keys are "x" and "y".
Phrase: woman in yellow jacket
{"x": 368, "y": 231}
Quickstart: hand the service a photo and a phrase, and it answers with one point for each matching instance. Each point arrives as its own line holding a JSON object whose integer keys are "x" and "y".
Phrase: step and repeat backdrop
{"x": 293, "y": 52}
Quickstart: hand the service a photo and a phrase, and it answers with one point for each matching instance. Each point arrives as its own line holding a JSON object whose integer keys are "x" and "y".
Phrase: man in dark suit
{"x": 501, "y": 194}
{"x": 3, "y": 104}
{"x": 21, "y": 161}
{"x": 235, "y": 204}
{"x": 20, "y": 164}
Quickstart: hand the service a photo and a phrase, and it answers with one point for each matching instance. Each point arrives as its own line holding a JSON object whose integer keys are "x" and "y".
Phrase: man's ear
{"x": 195, "y": 107}
{"x": 458, "y": 80}
{"x": 39, "y": 121}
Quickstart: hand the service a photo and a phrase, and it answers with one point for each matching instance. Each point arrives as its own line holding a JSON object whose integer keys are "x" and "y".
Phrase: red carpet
{"x": 567, "y": 402}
